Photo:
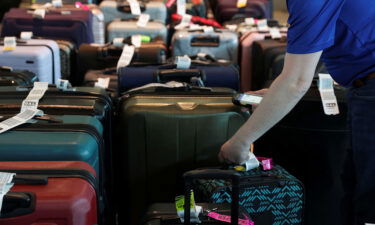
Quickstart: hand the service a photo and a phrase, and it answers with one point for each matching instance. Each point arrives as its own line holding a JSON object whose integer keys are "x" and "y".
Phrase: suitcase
{"x": 214, "y": 74}
{"x": 313, "y": 147}
{"x": 127, "y": 28}
{"x": 221, "y": 44}
{"x": 38, "y": 56}
{"x": 193, "y": 7}
{"x": 268, "y": 196}
{"x": 98, "y": 26}
{"x": 227, "y": 9}
{"x": 65, "y": 1}
{"x": 6, "y": 5}
{"x": 92, "y": 76}
{"x": 164, "y": 132}
{"x": 75, "y": 26}
{"x": 68, "y": 59}
{"x": 176, "y": 19}
{"x": 166, "y": 213}
{"x": 51, "y": 192}
{"x": 10, "y": 77}
{"x": 101, "y": 57}
{"x": 120, "y": 9}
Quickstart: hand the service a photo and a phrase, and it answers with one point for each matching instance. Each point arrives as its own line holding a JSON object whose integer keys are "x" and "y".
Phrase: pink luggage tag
{"x": 227, "y": 219}
{"x": 267, "y": 163}
{"x": 81, "y": 6}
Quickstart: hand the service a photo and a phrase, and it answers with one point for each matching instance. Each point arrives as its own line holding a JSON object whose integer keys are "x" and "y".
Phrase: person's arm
{"x": 282, "y": 96}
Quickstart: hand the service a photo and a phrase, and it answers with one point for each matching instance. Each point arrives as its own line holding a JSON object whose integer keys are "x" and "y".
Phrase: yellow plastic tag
{"x": 180, "y": 202}
{"x": 241, "y": 3}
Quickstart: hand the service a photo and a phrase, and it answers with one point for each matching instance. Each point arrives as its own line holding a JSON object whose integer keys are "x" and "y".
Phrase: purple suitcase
{"x": 75, "y": 26}
{"x": 227, "y": 9}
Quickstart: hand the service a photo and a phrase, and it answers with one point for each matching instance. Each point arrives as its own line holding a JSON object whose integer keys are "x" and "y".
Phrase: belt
{"x": 361, "y": 81}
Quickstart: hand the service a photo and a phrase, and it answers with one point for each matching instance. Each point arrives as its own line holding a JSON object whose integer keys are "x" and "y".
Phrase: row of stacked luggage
{"x": 135, "y": 94}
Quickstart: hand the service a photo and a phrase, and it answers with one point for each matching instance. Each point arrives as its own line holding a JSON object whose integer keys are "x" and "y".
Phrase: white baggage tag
{"x": 10, "y": 43}
{"x": 183, "y": 62}
{"x": 208, "y": 29}
{"x": 26, "y": 35}
{"x": 103, "y": 82}
{"x": 118, "y": 42}
{"x": 143, "y": 20}
{"x": 32, "y": 100}
{"x": 135, "y": 8}
{"x": 250, "y": 21}
{"x": 6, "y": 178}
{"x": 57, "y": 3}
{"x": 47, "y": 6}
{"x": 241, "y": 3}
{"x": 63, "y": 85}
{"x": 5, "y": 185}
{"x": 126, "y": 56}
{"x": 231, "y": 27}
{"x": 137, "y": 40}
{"x": 262, "y": 25}
{"x": 327, "y": 94}
{"x": 275, "y": 33}
{"x": 17, "y": 120}
{"x": 185, "y": 21}
{"x": 39, "y": 13}
{"x": 181, "y": 7}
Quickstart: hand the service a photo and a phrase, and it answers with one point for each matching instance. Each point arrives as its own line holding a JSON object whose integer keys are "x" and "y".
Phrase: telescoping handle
{"x": 124, "y": 6}
{"x": 232, "y": 175}
{"x": 181, "y": 75}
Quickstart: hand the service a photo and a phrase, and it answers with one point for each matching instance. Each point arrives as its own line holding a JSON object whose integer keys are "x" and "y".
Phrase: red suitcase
{"x": 50, "y": 193}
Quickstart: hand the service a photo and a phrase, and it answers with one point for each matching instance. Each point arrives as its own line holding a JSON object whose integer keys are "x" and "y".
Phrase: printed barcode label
{"x": 39, "y": 13}
{"x": 181, "y": 7}
{"x": 135, "y": 8}
{"x": 57, "y": 3}
{"x": 10, "y": 43}
{"x": 327, "y": 94}
{"x": 136, "y": 40}
{"x": 126, "y": 56}
{"x": 143, "y": 20}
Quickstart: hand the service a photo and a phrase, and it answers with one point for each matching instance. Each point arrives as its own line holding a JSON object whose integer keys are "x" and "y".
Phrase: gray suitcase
{"x": 39, "y": 56}
{"x": 120, "y": 9}
{"x": 221, "y": 44}
{"x": 127, "y": 28}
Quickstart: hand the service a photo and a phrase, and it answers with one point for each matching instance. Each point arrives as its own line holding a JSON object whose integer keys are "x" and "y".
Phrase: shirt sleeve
{"x": 312, "y": 24}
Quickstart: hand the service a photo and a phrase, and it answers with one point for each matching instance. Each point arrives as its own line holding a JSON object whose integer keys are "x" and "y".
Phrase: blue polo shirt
{"x": 343, "y": 29}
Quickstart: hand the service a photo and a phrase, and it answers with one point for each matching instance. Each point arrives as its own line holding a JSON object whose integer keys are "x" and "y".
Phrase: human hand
{"x": 234, "y": 152}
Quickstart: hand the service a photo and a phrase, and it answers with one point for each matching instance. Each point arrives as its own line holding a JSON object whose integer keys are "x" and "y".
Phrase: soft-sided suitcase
{"x": 10, "y": 77}
{"x": 268, "y": 196}
{"x": 37, "y": 55}
{"x": 75, "y": 26}
{"x": 166, "y": 213}
{"x": 221, "y": 44}
{"x": 227, "y": 9}
{"x": 101, "y": 57}
{"x": 213, "y": 73}
{"x": 165, "y": 132}
{"x": 50, "y": 192}
{"x": 313, "y": 147}
{"x": 127, "y": 28}
{"x": 113, "y": 9}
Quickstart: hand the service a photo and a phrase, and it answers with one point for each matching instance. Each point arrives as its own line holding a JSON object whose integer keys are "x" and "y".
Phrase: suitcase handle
{"x": 7, "y": 82}
{"x": 181, "y": 75}
{"x": 232, "y": 175}
{"x": 125, "y": 7}
{"x": 17, "y": 204}
{"x": 205, "y": 41}
{"x": 30, "y": 179}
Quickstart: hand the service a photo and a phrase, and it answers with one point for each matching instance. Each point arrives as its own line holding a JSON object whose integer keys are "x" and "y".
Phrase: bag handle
{"x": 17, "y": 204}
{"x": 181, "y": 75}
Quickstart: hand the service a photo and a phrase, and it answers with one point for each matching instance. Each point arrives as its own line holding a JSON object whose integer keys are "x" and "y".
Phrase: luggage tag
{"x": 118, "y": 42}
{"x": 135, "y": 8}
{"x": 136, "y": 40}
{"x": 10, "y": 43}
{"x": 143, "y": 20}
{"x": 181, "y": 7}
{"x": 32, "y": 100}
{"x": 231, "y": 27}
{"x": 26, "y": 35}
{"x": 250, "y": 164}
{"x": 6, "y": 183}
{"x": 64, "y": 85}
{"x": 241, "y": 3}
{"x": 57, "y": 3}
{"x": 275, "y": 33}
{"x": 185, "y": 21}
{"x": 102, "y": 82}
{"x": 250, "y": 21}
{"x": 183, "y": 62}
{"x": 327, "y": 94}
{"x": 195, "y": 210}
{"x": 126, "y": 56}
{"x": 262, "y": 25}
{"x": 227, "y": 219}
{"x": 208, "y": 29}
{"x": 39, "y": 13}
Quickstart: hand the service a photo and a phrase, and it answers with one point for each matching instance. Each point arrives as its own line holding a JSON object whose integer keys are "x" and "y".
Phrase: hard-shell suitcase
{"x": 68, "y": 58}
{"x": 176, "y": 18}
{"x": 268, "y": 196}
{"x": 164, "y": 132}
{"x": 121, "y": 9}
{"x": 75, "y": 26}
{"x": 212, "y": 72}
{"x": 227, "y": 9}
{"x": 221, "y": 44}
{"x": 193, "y": 7}
{"x": 127, "y": 28}
{"x": 92, "y": 76}
{"x": 65, "y": 1}
{"x": 101, "y": 57}
{"x": 166, "y": 213}
{"x": 10, "y": 77}
{"x": 38, "y": 56}
{"x": 51, "y": 192}
{"x": 313, "y": 147}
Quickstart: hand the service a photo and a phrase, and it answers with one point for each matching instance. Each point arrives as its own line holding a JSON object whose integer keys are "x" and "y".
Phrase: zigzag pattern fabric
{"x": 273, "y": 195}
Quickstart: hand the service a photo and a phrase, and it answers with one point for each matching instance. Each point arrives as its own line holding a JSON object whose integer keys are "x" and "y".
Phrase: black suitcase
{"x": 313, "y": 147}
{"x": 10, "y": 77}
{"x": 166, "y": 213}
{"x": 92, "y": 76}
{"x": 164, "y": 132}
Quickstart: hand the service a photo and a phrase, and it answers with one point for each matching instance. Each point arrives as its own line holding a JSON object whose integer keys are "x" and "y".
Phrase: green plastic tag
{"x": 180, "y": 202}
{"x": 145, "y": 39}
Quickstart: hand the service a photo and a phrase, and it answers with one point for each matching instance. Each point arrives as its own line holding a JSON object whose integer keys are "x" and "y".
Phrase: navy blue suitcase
{"x": 216, "y": 74}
